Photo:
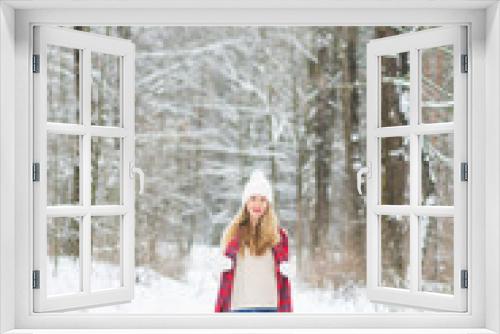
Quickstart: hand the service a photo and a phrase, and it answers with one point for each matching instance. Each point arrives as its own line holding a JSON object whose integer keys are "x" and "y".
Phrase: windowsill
{"x": 260, "y": 331}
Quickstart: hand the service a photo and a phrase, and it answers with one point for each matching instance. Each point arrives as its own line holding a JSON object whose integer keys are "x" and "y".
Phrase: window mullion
{"x": 414, "y": 169}
{"x": 86, "y": 170}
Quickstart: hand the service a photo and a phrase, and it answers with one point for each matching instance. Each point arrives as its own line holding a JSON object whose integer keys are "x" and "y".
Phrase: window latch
{"x": 365, "y": 170}
{"x": 133, "y": 170}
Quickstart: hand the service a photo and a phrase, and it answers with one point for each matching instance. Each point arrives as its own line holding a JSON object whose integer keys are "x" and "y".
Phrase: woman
{"x": 256, "y": 248}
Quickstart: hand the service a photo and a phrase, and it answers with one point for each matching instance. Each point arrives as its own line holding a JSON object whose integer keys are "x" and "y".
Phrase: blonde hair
{"x": 264, "y": 235}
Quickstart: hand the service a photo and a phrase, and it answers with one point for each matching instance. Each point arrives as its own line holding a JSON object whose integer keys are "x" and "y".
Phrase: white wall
{"x": 6, "y": 168}
{"x": 492, "y": 169}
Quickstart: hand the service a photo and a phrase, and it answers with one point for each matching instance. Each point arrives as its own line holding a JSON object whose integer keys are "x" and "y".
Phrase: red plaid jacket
{"x": 280, "y": 253}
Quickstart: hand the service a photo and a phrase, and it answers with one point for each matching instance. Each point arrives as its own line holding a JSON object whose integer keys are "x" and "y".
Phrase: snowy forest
{"x": 212, "y": 104}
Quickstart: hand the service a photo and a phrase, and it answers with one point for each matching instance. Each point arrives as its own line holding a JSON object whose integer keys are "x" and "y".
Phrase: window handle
{"x": 139, "y": 171}
{"x": 361, "y": 171}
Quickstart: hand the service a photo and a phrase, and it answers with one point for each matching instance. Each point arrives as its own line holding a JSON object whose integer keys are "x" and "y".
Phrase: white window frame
{"x": 413, "y": 43}
{"x": 483, "y": 18}
{"x": 124, "y": 50}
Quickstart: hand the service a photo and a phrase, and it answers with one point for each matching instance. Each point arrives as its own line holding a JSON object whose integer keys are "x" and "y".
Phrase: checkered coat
{"x": 280, "y": 253}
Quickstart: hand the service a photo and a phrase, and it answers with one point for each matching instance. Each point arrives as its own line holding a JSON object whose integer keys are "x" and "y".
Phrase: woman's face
{"x": 256, "y": 206}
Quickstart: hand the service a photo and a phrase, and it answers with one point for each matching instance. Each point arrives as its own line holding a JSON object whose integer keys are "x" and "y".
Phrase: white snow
{"x": 197, "y": 291}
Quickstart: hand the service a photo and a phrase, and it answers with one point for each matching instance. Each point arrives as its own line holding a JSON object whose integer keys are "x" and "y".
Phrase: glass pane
{"x": 106, "y": 161}
{"x": 105, "y": 97}
{"x": 437, "y": 84}
{"x": 395, "y": 89}
{"x": 63, "y": 170}
{"x": 437, "y": 169}
{"x": 63, "y": 252}
{"x": 106, "y": 252}
{"x": 63, "y": 84}
{"x": 436, "y": 254}
{"x": 395, "y": 250}
{"x": 395, "y": 170}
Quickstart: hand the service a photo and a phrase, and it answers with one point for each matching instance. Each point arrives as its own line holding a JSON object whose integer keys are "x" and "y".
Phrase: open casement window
{"x": 83, "y": 169}
{"x": 417, "y": 169}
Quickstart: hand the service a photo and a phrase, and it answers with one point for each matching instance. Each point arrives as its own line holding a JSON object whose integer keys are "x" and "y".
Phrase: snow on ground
{"x": 196, "y": 293}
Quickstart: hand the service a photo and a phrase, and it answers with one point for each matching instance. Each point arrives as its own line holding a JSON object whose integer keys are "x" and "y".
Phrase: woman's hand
{"x": 223, "y": 263}
{"x": 281, "y": 249}
{"x": 219, "y": 264}
{"x": 285, "y": 268}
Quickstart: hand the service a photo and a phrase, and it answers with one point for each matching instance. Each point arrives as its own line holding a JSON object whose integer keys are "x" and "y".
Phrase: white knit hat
{"x": 257, "y": 185}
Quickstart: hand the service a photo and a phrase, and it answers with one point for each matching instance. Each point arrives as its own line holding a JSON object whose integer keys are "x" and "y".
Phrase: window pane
{"x": 106, "y": 162}
{"x": 437, "y": 84}
{"x": 395, "y": 250}
{"x": 395, "y": 89}
{"x": 436, "y": 253}
{"x": 63, "y": 84}
{"x": 395, "y": 170}
{"x": 63, "y": 252}
{"x": 105, "y": 89}
{"x": 63, "y": 170}
{"x": 106, "y": 253}
{"x": 437, "y": 169}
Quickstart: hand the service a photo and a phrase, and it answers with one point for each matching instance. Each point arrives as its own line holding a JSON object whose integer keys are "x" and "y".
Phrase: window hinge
{"x": 36, "y": 171}
{"x": 464, "y": 279}
{"x": 36, "y": 63}
{"x": 464, "y": 175}
{"x": 36, "y": 279}
{"x": 465, "y": 66}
